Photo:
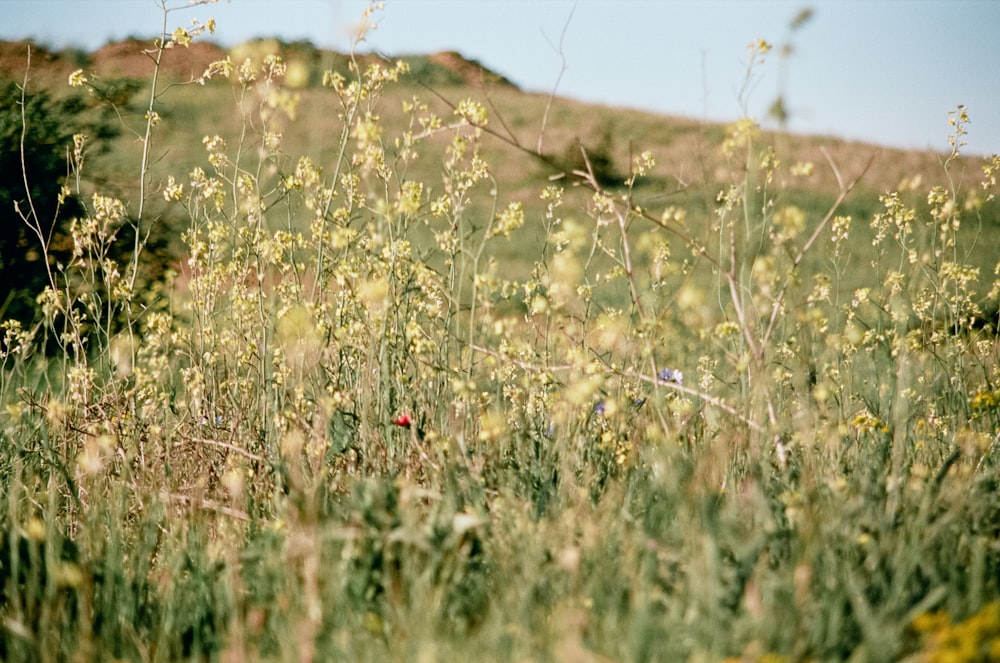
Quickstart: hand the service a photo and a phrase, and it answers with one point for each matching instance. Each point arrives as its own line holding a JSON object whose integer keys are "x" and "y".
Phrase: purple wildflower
{"x": 670, "y": 375}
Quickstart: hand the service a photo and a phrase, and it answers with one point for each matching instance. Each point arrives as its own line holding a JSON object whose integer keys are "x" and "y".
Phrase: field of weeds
{"x": 427, "y": 390}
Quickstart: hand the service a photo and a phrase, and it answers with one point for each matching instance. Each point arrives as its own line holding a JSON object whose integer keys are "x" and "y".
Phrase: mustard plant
{"x": 345, "y": 427}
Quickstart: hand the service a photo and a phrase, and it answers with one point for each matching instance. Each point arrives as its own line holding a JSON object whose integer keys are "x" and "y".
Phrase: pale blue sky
{"x": 882, "y": 71}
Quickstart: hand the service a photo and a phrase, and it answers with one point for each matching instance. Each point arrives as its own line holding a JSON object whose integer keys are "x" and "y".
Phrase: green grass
{"x": 360, "y": 422}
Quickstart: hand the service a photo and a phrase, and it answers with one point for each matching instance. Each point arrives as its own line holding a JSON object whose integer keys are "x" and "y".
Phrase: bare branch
{"x": 562, "y": 70}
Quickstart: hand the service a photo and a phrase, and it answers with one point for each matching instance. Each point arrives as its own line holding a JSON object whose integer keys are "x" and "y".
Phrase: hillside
{"x": 130, "y": 58}
{"x": 690, "y": 167}
{"x": 678, "y": 141}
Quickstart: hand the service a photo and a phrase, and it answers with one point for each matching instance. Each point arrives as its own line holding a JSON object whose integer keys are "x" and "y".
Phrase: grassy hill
{"x": 534, "y": 136}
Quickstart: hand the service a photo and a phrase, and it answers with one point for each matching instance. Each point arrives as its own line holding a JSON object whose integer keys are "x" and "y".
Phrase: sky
{"x": 882, "y": 71}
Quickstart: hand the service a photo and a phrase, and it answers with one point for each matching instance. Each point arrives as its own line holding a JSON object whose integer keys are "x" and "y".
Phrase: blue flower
{"x": 670, "y": 375}
{"x": 599, "y": 407}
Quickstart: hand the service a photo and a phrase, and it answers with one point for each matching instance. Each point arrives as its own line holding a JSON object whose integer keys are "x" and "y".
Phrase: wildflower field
{"x": 361, "y": 363}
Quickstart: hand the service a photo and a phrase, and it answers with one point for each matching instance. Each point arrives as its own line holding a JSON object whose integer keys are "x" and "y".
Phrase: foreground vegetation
{"x": 355, "y": 424}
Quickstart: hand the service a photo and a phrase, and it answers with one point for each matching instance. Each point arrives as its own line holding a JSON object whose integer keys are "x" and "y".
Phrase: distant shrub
{"x": 36, "y": 224}
{"x": 593, "y": 154}
{"x": 28, "y": 254}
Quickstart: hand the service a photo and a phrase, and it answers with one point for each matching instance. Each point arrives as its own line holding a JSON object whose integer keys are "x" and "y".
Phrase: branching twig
{"x": 562, "y": 70}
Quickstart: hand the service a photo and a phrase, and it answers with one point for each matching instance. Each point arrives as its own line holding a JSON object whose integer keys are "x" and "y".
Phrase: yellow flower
{"x": 472, "y": 112}
{"x": 181, "y": 37}
{"x": 509, "y": 220}
{"x": 77, "y": 79}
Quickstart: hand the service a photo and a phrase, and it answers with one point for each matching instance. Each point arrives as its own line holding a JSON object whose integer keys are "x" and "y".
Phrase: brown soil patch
{"x": 472, "y": 72}
{"x": 133, "y": 58}
{"x": 44, "y": 63}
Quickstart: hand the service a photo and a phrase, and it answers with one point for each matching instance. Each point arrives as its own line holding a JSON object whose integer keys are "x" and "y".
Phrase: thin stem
{"x": 562, "y": 70}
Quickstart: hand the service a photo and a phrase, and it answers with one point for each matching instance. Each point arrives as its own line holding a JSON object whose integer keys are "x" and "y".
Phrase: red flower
{"x": 403, "y": 421}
